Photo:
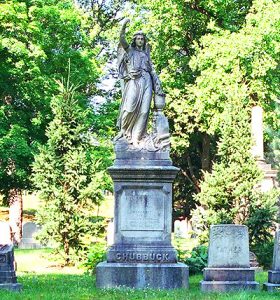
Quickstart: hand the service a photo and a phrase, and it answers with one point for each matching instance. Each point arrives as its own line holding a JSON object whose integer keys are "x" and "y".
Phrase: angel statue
{"x": 138, "y": 83}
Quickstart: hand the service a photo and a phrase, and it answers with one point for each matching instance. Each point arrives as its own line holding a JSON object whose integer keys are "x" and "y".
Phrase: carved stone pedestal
{"x": 8, "y": 279}
{"x": 142, "y": 255}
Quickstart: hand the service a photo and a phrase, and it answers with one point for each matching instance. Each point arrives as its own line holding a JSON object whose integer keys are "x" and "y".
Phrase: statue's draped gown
{"x": 135, "y": 71}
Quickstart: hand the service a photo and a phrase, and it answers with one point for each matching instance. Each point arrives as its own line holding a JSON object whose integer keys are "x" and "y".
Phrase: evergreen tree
{"x": 227, "y": 191}
{"x": 67, "y": 174}
{"x": 37, "y": 38}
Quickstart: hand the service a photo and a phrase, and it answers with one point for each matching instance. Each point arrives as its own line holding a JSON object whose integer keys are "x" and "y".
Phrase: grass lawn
{"x": 48, "y": 281}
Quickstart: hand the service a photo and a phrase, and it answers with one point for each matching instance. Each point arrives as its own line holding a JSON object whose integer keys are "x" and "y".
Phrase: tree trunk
{"x": 15, "y": 214}
{"x": 205, "y": 159}
{"x": 66, "y": 251}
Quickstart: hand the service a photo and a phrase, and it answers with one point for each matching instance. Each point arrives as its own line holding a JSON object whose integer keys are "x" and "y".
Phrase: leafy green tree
{"x": 173, "y": 28}
{"x": 210, "y": 54}
{"x": 37, "y": 38}
{"x": 67, "y": 174}
{"x": 227, "y": 191}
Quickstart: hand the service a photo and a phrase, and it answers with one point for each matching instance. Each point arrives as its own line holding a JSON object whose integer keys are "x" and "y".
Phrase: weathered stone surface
{"x": 273, "y": 284}
{"x": 29, "y": 230}
{"x": 5, "y": 236}
{"x": 228, "y": 286}
{"x": 228, "y": 260}
{"x": 276, "y": 252}
{"x": 228, "y": 274}
{"x": 228, "y": 246}
{"x": 139, "y": 276}
{"x": 8, "y": 278}
{"x": 271, "y": 287}
{"x": 142, "y": 255}
{"x": 274, "y": 276}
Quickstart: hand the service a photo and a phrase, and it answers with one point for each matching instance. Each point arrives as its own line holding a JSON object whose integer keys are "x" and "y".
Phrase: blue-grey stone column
{"x": 142, "y": 255}
{"x": 273, "y": 284}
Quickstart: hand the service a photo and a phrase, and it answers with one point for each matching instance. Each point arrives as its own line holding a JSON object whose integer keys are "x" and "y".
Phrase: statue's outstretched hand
{"x": 125, "y": 22}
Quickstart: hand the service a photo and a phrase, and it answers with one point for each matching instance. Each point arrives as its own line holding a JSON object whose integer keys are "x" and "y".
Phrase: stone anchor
{"x": 8, "y": 279}
{"x": 228, "y": 260}
{"x": 273, "y": 284}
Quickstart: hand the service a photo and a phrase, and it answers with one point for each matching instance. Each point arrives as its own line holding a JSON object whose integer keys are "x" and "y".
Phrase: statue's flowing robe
{"x": 135, "y": 71}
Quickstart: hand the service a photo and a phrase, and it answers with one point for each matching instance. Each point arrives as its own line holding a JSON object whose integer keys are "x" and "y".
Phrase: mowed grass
{"x": 60, "y": 283}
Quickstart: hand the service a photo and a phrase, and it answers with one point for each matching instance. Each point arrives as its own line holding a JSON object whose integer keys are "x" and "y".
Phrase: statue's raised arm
{"x": 123, "y": 41}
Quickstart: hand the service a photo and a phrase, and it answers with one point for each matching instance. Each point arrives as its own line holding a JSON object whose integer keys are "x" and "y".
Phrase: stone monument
{"x": 8, "y": 279}
{"x": 269, "y": 180}
{"x": 142, "y": 255}
{"x": 28, "y": 241}
{"x": 228, "y": 260}
{"x": 273, "y": 283}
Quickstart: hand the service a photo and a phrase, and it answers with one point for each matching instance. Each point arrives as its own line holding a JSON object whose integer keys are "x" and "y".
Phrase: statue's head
{"x": 139, "y": 40}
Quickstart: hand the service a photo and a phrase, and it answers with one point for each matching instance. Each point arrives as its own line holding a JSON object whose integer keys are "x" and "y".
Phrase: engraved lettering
{"x": 165, "y": 256}
{"x": 145, "y": 257}
{"x": 133, "y": 256}
{"x": 159, "y": 256}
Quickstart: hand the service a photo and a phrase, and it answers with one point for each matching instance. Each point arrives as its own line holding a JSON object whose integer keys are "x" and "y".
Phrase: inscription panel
{"x": 142, "y": 209}
{"x": 229, "y": 246}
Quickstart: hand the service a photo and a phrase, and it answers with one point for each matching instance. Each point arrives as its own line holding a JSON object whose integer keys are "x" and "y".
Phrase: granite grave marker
{"x": 29, "y": 231}
{"x": 228, "y": 260}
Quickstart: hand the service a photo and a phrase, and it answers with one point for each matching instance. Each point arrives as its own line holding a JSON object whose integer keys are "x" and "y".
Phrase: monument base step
{"x": 141, "y": 275}
{"x": 274, "y": 277}
{"x": 16, "y": 287}
{"x": 227, "y": 286}
{"x": 229, "y": 274}
{"x": 271, "y": 287}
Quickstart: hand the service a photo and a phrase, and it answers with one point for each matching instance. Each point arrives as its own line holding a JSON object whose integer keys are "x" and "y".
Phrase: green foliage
{"x": 96, "y": 254}
{"x": 68, "y": 176}
{"x": 198, "y": 259}
{"x": 228, "y": 189}
{"x": 81, "y": 286}
{"x": 261, "y": 223}
{"x": 210, "y": 55}
{"x": 37, "y": 38}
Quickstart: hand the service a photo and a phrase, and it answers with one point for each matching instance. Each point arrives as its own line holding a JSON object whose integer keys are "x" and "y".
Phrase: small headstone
{"x": 5, "y": 233}
{"x": 181, "y": 229}
{"x": 273, "y": 283}
{"x": 29, "y": 231}
{"x": 228, "y": 260}
{"x": 8, "y": 279}
{"x": 177, "y": 229}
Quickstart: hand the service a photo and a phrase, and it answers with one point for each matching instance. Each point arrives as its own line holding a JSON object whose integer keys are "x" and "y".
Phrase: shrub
{"x": 96, "y": 254}
{"x": 198, "y": 259}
